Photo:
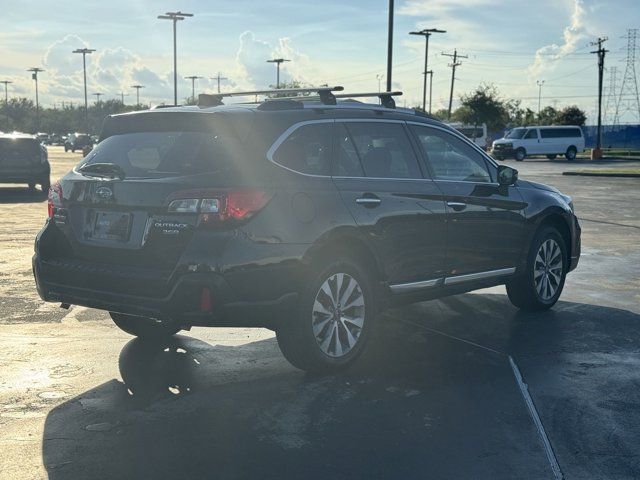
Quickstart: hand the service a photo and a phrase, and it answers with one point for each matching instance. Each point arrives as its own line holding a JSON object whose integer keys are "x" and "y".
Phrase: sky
{"x": 510, "y": 43}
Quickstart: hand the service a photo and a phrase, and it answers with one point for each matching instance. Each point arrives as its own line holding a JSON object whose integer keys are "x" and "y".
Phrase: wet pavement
{"x": 434, "y": 395}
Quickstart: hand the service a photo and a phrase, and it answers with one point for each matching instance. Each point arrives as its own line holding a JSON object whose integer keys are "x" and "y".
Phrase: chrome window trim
{"x": 478, "y": 276}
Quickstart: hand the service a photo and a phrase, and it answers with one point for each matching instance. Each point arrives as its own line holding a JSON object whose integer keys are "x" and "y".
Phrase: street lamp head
{"x": 84, "y": 50}
{"x": 175, "y": 16}
{"x": 278, "y": 60}
{"x": 427, "y": 31}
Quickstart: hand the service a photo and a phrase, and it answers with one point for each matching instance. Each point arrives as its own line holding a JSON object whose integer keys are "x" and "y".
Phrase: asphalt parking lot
{"x": 434, "y": 396}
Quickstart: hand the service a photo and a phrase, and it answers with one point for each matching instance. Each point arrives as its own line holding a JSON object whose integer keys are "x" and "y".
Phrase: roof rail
{"x": 325, "y": 93}
{"x": 386, "y": 98}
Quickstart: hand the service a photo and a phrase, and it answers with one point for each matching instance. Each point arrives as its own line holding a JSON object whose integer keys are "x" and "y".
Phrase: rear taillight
{"x": 54, "y": 199}
{"x": 214, "y": 207}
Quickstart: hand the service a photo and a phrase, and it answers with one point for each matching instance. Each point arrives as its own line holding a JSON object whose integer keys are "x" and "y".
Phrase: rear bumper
{"x": 181, "y": 305}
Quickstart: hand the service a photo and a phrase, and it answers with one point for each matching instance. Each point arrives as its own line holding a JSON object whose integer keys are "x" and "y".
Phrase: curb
{"x": 604, "y": 174}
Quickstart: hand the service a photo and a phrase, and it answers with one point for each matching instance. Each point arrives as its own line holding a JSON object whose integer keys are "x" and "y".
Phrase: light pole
{"x": 390, "y": 45}
{"x": 6, "y": 94}
{"x": 84, "y": 52}
{"x": 34, "y": 74}
{"x": 6, "y": 98}
{"x": 426, "y": 33}
{"x": 218, "y": 78}
{"x": 175, "y": 17}
{"x": 122, "y": 95}
{"x": 193, "y": 79}
{"x": 379, "y": 77}
{"x": 98, "y": 95}
{"x": 137, "y": 87}
{"x": 539, "y": 83}
{"x": 278, "y": 61}
{"x": 430, "y": 73}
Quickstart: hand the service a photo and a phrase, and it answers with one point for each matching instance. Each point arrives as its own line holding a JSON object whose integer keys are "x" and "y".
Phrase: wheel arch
{"x": 559, "y": 222}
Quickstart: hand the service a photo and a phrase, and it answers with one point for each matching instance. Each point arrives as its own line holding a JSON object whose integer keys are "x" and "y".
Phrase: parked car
{"x": 550, "y": 141}
{"x": 305, "y": 217}
{"x": 43, "y": 137}
{"x": 477, "y": 134}
{"x": 56, "y": 139}
{"x": 77, "y": 141}
{"x": 23, "y": 159}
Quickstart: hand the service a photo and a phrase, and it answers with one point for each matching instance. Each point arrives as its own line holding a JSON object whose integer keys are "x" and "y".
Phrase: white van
{"x": 550, "y": 141}
{"x": 477, "y": 134}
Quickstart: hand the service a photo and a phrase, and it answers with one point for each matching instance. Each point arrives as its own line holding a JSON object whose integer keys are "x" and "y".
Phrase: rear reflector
{"x": 205, "y": 300}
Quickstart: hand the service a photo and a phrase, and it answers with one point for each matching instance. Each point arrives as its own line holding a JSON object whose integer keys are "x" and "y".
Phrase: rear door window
{"x": 346, "y": 159}
{"x": 384, "y": 149}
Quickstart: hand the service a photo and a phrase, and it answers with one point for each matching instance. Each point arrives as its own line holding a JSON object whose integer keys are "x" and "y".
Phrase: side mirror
{"x": 507, "y": 175}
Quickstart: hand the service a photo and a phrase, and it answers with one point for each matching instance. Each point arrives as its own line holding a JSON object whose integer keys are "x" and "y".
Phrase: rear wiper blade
{"x": 103, "y": 169}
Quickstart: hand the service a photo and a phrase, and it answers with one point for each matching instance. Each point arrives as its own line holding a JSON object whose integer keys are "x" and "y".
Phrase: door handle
{"x": 457, "y": 206}
{"x": 368, "y": 201}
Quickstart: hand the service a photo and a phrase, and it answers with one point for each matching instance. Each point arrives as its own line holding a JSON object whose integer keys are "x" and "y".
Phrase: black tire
{"x": 73, "y": 150}
{"x": 521, "y": 153}
{"x": 143, "y": 327}
{"x": 296, "y": 338}
{"x": 571, "y": 153}
{"x": 66, "y": 149}
{"x": 45, "y": 184}
{"x": 552, "y": 157}
{"x": 523, "y": 290}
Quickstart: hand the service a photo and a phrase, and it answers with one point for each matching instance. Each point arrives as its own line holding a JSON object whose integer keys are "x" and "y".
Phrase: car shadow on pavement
{"x": 433, "y": 396}
{"x": 21, "y": 195}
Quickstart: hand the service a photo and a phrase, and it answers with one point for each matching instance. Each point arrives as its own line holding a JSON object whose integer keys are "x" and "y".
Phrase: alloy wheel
{"x": 338, "y": 315}
{"x": 547, "y": 269}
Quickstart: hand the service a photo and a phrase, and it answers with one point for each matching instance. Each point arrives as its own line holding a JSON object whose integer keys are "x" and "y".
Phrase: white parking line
{"x": 524, "y": 389}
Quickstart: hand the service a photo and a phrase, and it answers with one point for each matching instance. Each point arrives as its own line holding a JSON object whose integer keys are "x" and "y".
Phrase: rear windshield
{"x": 19, "y": 147}
{"x": 166, "y": 149}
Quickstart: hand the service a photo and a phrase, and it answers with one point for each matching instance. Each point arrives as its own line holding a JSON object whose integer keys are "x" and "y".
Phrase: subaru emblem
{"x": 104, "y": 193}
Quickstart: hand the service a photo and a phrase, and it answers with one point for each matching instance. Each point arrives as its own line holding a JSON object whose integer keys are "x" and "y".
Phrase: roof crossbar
{"x": 325, "y": 93}
{"x": 386, "y": 98}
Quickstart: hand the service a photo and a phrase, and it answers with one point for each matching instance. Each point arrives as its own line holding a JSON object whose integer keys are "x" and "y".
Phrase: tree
{"x": 441, "y": 114}
{"x": 483, "y": 106}
{"x": 548, "y": 116}
{"x": 571, "y": 115}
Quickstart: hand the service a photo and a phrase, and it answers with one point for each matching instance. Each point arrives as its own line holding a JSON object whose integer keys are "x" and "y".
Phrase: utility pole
{"x": 84, "y": 52}
{"x": 34, "y": 74}
{"x": 278, "y": 61}
{"x": 6, "y": 91}
{"x": 6, "y": 98}
{"x": 426, "y": 33}
{"x": 122, "y": 95}
{"x": 193, "y": 79}
{"x": 597, "y": 152}
{"x": 390, "y": 45}
{"x": 430, "y": 73}
{"x": 455, "y": 64}
{"x": 218, "y": 78}
{"x": 137, "y": 87}
{"x": 98, "y": 95}
{"x": 540, "y": 83}
{"x": 175, "y": 17}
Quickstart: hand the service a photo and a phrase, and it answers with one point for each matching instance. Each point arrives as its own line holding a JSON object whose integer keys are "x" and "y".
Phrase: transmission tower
{"x": 629, "y": 100}
{"x": 610, "y": 105}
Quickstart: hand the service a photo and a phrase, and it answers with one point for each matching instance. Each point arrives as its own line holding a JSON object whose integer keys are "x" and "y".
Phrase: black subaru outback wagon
{"x": 307, "y": 217}
{"x": 23, "y": 159}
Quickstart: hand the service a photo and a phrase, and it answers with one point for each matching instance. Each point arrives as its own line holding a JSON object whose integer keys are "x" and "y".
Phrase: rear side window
{"x": 560, "y": 133}
{"x": 346, "y": 159}
{"x": 383, "y": 149}
{"x": 307, "y": 150}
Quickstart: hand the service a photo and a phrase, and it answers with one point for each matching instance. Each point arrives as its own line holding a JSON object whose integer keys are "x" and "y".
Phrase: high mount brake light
{"x": 214, "y": 207}
{"x": 54, "y": 199}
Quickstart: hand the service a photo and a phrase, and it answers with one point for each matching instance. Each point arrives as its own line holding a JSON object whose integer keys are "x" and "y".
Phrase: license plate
{"x": 113, "y": 226}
